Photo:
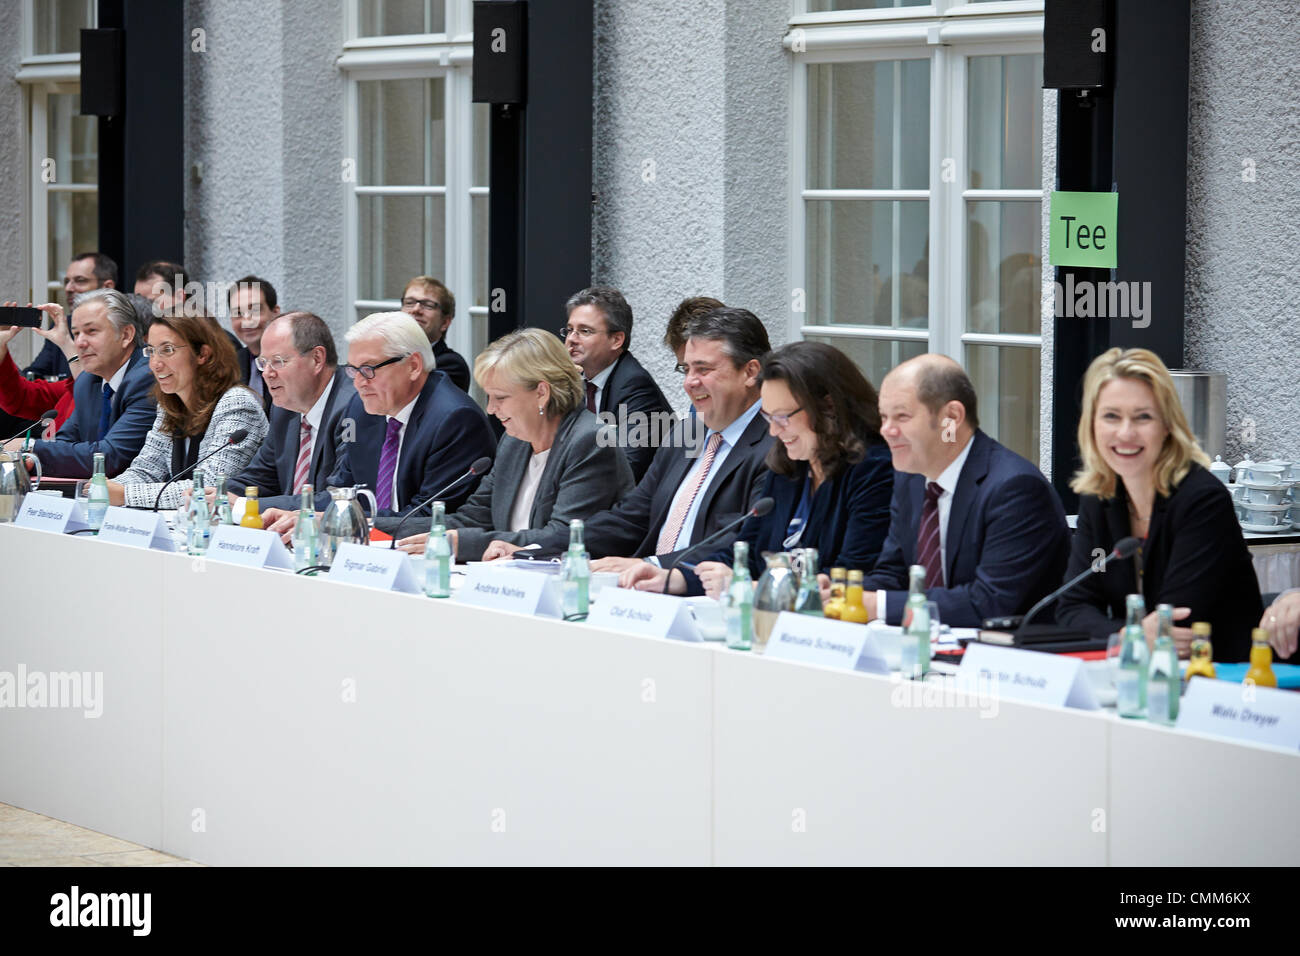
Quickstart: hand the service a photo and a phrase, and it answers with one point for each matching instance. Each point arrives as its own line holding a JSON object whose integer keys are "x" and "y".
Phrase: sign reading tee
{"x": 1084, "y": 229}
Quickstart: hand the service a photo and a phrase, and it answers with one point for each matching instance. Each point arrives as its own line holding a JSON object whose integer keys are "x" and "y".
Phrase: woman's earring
{"x": 541, "y": 410}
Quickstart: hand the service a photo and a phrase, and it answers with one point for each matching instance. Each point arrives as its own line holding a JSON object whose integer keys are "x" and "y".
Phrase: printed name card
{"x": 138, "y": 529}
{"x": 511, "y": 589}
{"x": 373, "y": 568}
{"x": 1259, "y": 715}
{"x": 645, "y": 613}
{"x": 816, "y": 640}
{"x": 1010, "y": 673}
{"x": 250, "y": 547}
{"x": 48, "y": 513}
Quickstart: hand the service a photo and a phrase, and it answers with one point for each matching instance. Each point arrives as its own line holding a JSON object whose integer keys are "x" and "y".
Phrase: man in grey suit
{"x": 299, "y": 364}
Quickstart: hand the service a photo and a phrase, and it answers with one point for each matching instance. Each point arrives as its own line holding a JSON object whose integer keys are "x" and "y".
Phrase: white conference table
{"x": 254, "y": 717}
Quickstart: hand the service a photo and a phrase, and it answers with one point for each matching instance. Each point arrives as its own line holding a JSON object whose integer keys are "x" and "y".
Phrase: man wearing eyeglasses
{"x": 433, "y": 306}
{"x": 415, "y": 431}
{"x": 299, "y": 365}
{"x": 598, "y": 335}
{"x": 86, "y": 272}
{"x": 253, "y": 306}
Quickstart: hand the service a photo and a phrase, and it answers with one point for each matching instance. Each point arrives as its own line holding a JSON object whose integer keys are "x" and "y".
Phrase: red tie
{"x": 928, "y": 553}
{"x": 591, "y": 397}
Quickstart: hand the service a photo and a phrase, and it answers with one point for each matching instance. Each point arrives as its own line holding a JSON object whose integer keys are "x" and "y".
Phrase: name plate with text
{"x": 817, "y": 640}
{"x": 511, "y": 589}
{"x": 374, "y": 568}
{"x": 1010, "y": 673}
{"x": 48, "y": 513}
{"x": 1260, "y": 715}
{"x": 645, "y": 613}
{"x": 137, "y": 529}
{"x": 250, "y": 547}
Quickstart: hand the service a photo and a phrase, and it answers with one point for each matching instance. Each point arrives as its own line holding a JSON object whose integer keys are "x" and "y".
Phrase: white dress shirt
{"x": 523, "y": 506}
{"x": 600, "y": 382}
{"x": 315, "y": 415}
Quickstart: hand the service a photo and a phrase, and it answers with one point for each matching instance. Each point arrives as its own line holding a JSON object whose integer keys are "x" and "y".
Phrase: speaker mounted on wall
{"x": 500, "y": 46}
{"x": 1078, "y": 36}
{"x": 102, "y": 74}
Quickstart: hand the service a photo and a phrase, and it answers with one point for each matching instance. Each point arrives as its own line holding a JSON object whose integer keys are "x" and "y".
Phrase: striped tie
{"x": 673, "y": 525}
{"x": 591, "y": 397}
{"x": 387, "y": 466}
{"x": 928, "y": 552}
{"x": 301, "y": 469}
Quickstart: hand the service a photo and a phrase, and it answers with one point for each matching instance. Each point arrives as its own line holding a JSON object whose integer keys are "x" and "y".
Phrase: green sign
{"x": 1083, "y": 229}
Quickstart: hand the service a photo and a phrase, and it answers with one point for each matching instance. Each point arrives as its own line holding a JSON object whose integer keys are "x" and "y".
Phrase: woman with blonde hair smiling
{"x": 1144, "y": 476}
{"x": 556, "y": 462}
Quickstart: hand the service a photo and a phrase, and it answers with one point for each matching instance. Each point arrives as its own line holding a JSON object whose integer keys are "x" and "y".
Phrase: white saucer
{"x": 1264, "y": 528}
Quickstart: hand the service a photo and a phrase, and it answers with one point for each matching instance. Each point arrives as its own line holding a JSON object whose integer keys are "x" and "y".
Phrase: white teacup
{"x": 1276, "y": 516}
{"x": 1263, "y": 474}
{"x": 1258, "y": 493}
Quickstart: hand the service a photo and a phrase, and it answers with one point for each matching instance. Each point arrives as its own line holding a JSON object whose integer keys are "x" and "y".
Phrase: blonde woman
{"x": 556, "y": 462}
{"x": 1144, "y": 475}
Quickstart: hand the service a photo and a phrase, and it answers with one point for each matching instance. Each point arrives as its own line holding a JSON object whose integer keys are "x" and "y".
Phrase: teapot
{"x": 15, "y": 482}
{"x": 344, "y": 521}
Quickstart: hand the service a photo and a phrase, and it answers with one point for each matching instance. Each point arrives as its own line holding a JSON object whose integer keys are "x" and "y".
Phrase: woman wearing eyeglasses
{"x": 201, "y": 403}
{"x": 831, "y": 475}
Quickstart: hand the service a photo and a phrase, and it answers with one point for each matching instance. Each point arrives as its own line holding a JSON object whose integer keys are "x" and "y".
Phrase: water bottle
{"x": 575, "y": 576}
{"x": 97, "y": 496}
{"x": 437, "y": 556}
{"x": 306, "y": 535}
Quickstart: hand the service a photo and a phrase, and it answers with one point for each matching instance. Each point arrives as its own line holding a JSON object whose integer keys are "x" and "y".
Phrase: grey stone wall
{"x": 16, "y": 181}
{"x": 1242, "y": 236}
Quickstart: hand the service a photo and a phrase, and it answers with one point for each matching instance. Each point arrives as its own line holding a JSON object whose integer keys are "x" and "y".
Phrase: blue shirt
{"x": 730, "y": 435}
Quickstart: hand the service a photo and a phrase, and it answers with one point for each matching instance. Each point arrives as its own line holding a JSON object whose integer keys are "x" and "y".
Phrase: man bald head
{"x": 927, "y": 414}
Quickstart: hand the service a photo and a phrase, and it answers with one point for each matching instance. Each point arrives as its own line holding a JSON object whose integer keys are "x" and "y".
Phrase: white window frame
{"x": 448, "y": 56}
{"x": 946, "y": 33}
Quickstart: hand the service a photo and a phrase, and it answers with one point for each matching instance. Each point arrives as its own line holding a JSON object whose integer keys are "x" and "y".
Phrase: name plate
{"x": 817, "y": 640}
{"x": 1260, "y": 715}
{"x": 374, "y": 568}
{"x": 250, "y": 547}
{"x": 48, "y": 513}
{"x": 645, "y": 613}
{"x": 511, "y": 589}
{"x": 137, "y": 529}
{"x": 1009, "y": 673}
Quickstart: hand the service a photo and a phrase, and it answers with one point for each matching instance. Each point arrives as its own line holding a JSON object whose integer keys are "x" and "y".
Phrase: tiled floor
{"x": 29, "y": 839}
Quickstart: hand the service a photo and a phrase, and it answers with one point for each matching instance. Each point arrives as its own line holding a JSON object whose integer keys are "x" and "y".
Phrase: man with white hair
{"x": 416, "y": 432}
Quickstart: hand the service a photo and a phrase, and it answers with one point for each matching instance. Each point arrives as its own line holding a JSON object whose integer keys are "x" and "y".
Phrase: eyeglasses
{"x": 427, "y": 304}
{"x": 681, "y": 368}
{"x": 166, "y": 351}
{"x": 581, "y": 331}
{"x": 780, "y": 420}
{"x": 368, "y": 371}
{"x": 278, "y": 363}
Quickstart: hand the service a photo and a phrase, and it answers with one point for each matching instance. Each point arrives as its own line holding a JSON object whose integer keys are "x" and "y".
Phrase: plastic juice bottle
{"x": 1261, "y": 660}
{"x": 834, "y": 607}
{"x": 251, "y": 519}
{"x": 1202, "y": 663}
{"x": 854, "y": 611}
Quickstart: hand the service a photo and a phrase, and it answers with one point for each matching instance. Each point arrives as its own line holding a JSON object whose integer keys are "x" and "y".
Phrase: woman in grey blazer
{"x": 556, "y": 462}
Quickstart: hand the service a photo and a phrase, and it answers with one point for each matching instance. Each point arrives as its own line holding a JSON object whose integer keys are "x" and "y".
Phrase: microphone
{"x": 761, "y": 507}
{"x": 47, "y": 419}
{"x": 480, "y": 467}
{"x": 1124, "y": 548}
{"x": 237, "y": 436}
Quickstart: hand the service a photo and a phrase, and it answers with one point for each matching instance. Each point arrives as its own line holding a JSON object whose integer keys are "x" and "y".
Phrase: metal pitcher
{"x": 774, "y": 593}
{"x": 344, "y": 521}
{"x": 15, "y": 482}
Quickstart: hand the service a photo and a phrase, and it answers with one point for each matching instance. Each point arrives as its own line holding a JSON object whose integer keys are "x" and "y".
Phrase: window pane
{"x": 398, "y": 237}
{"x": 481, "y": 144}
{"x": 819, "y": 6}
{"x": 57, "y": 25}
{"x": 1007, "y": 394}
{"x": 1005, "y": 131}
{"x": 402, "y": 132}
{"x": 73, "y": 227}
{"x": 874, "y": 357}
{"x": 73, "y": 140}
{"x": 380, "y": 18}
{"x": 1005, "y": 267}
{"x": 869, "y": 125}
{"x": 479, "y": 212}
{"x": 868, "y": 263}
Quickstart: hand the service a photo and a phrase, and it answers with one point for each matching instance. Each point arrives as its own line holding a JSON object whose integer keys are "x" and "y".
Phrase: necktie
{"x": 928, "y": 553}
{"x": 304, "y": 456}
{"x": 591, "y": 397}
{"x": 387, "y": 466}
{"x": 106, "y": 411}
{"x": 673, "y": 525}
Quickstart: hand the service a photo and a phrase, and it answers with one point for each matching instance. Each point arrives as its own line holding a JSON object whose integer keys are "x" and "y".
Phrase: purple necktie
{"x": 387, "y": 466}
{"x": 928, "y": 552}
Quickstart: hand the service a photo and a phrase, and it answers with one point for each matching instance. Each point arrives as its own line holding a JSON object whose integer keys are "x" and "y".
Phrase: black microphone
{"x": 1124, "y": 548}
{"x": 480, "y": 467}
{"x": 237, "y": 436}
{"x": 761, "y": 507}
{"x": 47, "y": 419}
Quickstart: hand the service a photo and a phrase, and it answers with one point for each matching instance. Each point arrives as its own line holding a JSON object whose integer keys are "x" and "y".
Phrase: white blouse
{"x": 523, "y": 506}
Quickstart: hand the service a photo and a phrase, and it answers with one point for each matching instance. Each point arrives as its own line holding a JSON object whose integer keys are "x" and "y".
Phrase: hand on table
{"x": 497, "y": 550}
{"x": 416, "y": 543}
{"x": 614, "y": 565}
{"x": 715, "y": 576}
{"x": 1282, "y": 621}
{"x": 644, "y": 576}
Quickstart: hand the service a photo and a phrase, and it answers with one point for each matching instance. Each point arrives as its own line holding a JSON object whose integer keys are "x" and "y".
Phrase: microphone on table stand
{"x": 761, "y": 507}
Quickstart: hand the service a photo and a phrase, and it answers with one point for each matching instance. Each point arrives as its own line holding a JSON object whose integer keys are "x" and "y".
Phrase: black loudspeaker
{"x": 1078, "y": 36}
{"x": 500, "y": 44}
{"x": 102, "y": 76}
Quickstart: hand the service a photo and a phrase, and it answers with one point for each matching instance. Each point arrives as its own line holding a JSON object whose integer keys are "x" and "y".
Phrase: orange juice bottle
{"x": 854, "y": 611}
{"x": 1201, "y": 663}
{"x": 251, "y": 517}
{"x": 1261, "y": 660}
{"x": 839, "y": 585}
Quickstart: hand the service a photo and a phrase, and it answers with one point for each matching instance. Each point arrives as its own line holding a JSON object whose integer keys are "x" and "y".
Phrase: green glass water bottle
{"x": 198, "y": 527}
{"x": 1163, "y": 682}
{"x": 1131, "y": 678}
{"x": 306, "y": 533}
{"x": 738, "y": 611}
{"x": 437, "y": 555}
{"x": 914, "y": 647}
{"x": 97, "y": 496}
{"x": 575, "y": 576}
{"x": 809, "y": 599}
{"x": 223, "y": 513}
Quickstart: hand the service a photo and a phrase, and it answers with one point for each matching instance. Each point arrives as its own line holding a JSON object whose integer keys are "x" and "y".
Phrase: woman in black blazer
{"x": 831, "y": 478}
{"x": 1143, "y": 476}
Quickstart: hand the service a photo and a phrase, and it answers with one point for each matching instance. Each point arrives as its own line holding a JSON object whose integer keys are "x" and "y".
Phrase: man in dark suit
{"x": 253, "y": 306}
{"x": 598, "y": 335}
{"x": 983, "y": 521}
{"x": 416, "y": 432}
{"x": 308, "y": 423}
{"x": 432, "y": 305}
{"x": 86, "y": 272}
{"x": 114, "y": 401}
{"x": 708, "y": 474}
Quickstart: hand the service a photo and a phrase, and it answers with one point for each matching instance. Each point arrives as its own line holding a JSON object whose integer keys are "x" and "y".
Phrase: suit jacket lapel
{"x": 610, "y": 383}
{"x": 752, "y": 434}
{"x": 963, "y": 499}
